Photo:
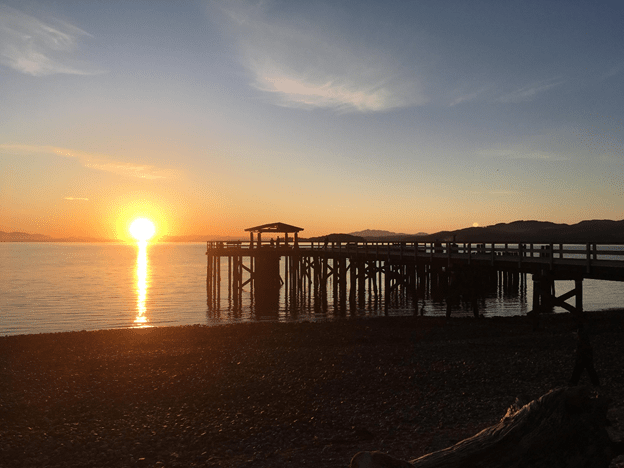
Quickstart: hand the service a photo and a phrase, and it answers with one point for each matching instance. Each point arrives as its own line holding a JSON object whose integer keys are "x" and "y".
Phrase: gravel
{"x": 281, "y": 394}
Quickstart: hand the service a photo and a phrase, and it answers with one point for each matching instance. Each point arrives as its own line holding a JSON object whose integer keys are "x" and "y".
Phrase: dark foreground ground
{"x": 277, "y": 395}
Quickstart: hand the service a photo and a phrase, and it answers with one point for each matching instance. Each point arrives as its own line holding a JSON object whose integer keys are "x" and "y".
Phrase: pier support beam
{"x": 268, "y": 282}
{"x": 544, "y": 297}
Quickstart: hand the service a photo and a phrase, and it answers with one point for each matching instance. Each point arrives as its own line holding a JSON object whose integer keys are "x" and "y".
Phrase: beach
{"x": 282, "y": 394}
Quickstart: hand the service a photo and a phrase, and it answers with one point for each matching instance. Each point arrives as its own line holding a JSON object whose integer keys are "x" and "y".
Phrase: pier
{"x": 383, "y": 273}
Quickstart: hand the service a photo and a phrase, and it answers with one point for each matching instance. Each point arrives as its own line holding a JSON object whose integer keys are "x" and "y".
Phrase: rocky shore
{"x": 282, "y": 394}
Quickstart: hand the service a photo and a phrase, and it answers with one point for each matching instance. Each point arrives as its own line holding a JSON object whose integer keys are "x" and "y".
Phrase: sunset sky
{"x": 209, "y": 117}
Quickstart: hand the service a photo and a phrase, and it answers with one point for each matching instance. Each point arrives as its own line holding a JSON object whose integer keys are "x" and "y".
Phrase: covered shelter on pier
{"x": 279, "y": 228}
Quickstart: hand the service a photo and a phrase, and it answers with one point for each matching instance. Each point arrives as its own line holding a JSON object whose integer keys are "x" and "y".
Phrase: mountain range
{"x": 598, "y": 231}
{"x": 27, "y": 237}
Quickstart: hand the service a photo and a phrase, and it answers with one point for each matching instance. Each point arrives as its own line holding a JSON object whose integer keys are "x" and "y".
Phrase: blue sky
{"x": 210, "y": 117}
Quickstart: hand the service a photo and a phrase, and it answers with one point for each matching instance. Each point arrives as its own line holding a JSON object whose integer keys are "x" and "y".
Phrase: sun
{"x": 142, "y": 229}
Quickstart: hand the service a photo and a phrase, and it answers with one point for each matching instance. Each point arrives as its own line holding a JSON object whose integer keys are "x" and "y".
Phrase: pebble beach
{"x": 282, "y": 394}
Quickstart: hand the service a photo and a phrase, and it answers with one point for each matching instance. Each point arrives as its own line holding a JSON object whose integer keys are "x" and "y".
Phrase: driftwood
{"x": 564, "y": 428}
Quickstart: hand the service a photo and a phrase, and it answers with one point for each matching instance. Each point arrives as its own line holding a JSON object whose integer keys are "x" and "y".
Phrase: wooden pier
{"x": 386, "y": 272}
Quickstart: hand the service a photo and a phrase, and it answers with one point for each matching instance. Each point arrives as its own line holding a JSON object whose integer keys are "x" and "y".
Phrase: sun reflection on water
{"x": 141, "y": 320}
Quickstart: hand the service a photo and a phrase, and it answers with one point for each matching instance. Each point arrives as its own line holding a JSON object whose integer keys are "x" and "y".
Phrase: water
{"x": 55, "y": 287}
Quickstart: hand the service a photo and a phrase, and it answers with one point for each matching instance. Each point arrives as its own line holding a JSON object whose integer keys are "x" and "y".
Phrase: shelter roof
{"x": 274, "y": 227}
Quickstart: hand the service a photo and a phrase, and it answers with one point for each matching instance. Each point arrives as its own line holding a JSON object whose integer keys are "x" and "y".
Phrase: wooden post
{"x": 325, "y": 274}
{"x": 217, "y": 285}
{"x": 352, "y": 282}
{"x": 361, "y": 277}
{"x": 251, "y": 274}
{"x": 229, "y": 276}
{"x": 386, "y": 292}
{"x": 335, "y": 272}
{"x": 286, "y": 275}
{"x": 536, "y": 293}
{"x": 316, "y": 272}
{"x": 376, "y": 280}
{"x": 208, "y": 272}
{"x": 578, "y": 285}
{"x": 343, "y": 281}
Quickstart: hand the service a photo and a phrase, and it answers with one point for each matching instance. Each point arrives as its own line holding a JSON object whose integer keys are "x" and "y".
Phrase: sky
{"x": 210, "y": 117}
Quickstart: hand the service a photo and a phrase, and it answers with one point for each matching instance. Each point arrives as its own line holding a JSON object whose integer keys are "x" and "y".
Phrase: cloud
{"x": 93, "y": 161}
{"x": 335, "y": 92}
{"x": 39, "y": 48}
{"x": 75, "y": 199}
{"x": 302, "y": 62}
{"x": 468, "y": 97}
{"x": 528, "y": 93}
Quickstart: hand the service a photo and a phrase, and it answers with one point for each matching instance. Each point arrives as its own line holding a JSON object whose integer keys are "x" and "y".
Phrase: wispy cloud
{"x": 301, "y": 63}
{"x": 75, "y": 199}
{"x": 466, "y": 97}
{"x": 35, "y": 47}
{"x": 94, "y": 161}
{"x": 529, "y": 92}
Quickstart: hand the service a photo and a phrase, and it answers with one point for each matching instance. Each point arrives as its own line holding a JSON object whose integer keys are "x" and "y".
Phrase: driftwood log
{"x": 564, "y": 428}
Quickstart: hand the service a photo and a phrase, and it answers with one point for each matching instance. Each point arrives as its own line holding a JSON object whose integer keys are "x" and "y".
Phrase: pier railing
{"x": 590, "y": 251}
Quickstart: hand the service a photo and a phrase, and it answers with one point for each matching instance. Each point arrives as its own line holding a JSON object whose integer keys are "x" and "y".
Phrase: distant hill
{"x": 23, "y": 237}
{"x": 27, "y": 237}
{"x": 598, "y": 231}
{"x": 384, "y": 236}
{"x": 336, "y": 238}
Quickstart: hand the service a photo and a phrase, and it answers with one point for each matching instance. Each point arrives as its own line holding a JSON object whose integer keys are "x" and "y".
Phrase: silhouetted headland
{"x": 594, "y": 231}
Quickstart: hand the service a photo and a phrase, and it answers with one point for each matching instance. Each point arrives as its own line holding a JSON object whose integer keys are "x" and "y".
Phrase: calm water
{"x": 58, "y": 287}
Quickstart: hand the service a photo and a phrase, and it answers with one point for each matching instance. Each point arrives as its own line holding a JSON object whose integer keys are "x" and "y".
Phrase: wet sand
{"x": 277, "y": 395}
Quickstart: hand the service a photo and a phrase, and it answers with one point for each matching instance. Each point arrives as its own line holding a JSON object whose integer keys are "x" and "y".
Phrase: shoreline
{"x": 281, "y": 393}
{"x": 458, "y": 315}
